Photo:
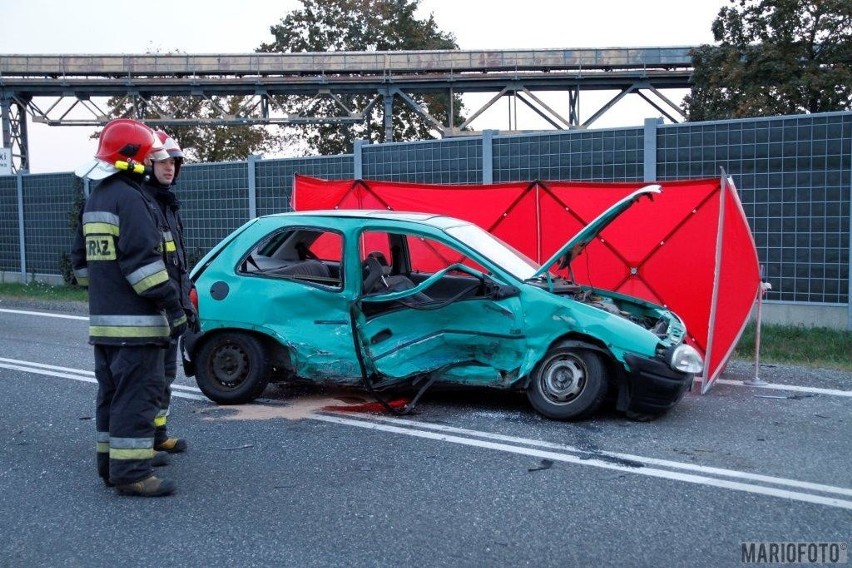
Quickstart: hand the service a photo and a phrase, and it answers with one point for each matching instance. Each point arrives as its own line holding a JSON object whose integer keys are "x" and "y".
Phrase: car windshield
{"x": 503, "y": 255}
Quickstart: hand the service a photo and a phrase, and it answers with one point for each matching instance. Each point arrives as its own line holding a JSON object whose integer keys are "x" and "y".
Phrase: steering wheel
{"x": 371, "y": 272}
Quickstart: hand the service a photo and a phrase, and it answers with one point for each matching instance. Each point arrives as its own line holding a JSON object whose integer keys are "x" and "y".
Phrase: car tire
{"x": 569, "y": 383}
{"x": 232, "y": 368}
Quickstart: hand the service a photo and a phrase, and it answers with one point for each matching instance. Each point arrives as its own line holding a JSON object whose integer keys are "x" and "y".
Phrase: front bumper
{"x": 652, "y": 387}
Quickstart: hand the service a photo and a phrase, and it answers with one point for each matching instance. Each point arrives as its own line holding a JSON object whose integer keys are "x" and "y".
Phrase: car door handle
{"x": 381, "y": 336}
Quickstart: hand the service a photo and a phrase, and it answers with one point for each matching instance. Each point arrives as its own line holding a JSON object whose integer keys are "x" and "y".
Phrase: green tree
{"x": 774, "y": 57}
{"x": 200, "y": 142}
{"x": 362, "y": 25}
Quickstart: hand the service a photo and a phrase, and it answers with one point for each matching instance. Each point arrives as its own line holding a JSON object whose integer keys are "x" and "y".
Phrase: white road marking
{"x": 620, "y": 456}
{"x": 794, "y": 388}
{"x": 639, "y": 465}
{"x": 45, "y": 314}
{"x": 83, "y": 376}
{"x": 594, "y": 462}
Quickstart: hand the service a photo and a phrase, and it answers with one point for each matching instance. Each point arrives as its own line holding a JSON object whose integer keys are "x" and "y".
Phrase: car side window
{"x": 429, "y": 256}
{"x": 305, "y": 254}
{"x": 399, "y": 261}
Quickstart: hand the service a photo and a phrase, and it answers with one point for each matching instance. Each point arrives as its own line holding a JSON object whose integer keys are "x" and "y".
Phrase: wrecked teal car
{"x": 382, "y": 299}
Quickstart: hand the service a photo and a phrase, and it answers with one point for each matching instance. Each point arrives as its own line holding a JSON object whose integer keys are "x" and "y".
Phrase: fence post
{"x": 756, "y": 381}
{"x": 487, "y": 157}
{"x": 650, "y": 149}
{"x": 252, "y": 188}
{"x": 357, "y": 159}
{"x": 19, "y": 182}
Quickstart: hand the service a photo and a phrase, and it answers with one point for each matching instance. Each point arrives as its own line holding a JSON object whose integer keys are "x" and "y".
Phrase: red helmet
{"x": 125, "y": 139}
{"x": 171, "y": 147}
{"x": 122, "y": 140}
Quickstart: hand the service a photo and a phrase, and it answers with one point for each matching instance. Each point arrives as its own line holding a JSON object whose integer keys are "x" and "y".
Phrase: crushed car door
{"x": 436, "y": 312}
{"x": 294, "y": 276}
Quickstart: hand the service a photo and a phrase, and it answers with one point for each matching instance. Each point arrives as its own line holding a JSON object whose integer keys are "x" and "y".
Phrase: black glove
{"x": 177, "y": 323}
{"x": 192, "y": 320}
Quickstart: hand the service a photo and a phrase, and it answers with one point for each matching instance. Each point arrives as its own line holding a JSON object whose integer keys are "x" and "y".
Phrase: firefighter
{"x": 134, "y": 309}
{"x": 159, "y": 186}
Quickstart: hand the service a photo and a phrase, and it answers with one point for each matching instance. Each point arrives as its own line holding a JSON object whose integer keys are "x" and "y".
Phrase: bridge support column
{"x": 574, "y": 106}
{"x": 387, "y": 118}
{"x": 14, "y": 124}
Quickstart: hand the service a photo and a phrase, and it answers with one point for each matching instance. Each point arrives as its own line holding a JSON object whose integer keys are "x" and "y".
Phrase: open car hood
{"x": 572, "y": 249}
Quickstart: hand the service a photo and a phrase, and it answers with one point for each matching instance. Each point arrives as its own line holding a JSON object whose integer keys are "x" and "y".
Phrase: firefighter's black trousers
{"x": 130, "y": 384}
{"x": 170, "y": 369}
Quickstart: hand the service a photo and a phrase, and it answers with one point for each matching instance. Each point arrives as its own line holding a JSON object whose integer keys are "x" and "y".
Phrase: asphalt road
{"x": 473, "y": 479}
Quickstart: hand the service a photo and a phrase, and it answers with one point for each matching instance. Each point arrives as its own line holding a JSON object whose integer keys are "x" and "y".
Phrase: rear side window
{"x": 305, "y": 254}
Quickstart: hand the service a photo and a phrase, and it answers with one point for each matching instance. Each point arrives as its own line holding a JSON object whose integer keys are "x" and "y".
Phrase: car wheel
{"x": 232, "y": 368}
{"x": 569, "y": 383}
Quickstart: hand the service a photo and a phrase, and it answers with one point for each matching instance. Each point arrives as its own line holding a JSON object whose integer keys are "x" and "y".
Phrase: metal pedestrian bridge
{"x": 62, "y": 90}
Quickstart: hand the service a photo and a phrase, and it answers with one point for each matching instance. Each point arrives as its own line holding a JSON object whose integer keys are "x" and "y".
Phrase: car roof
{"x": 431, "y": 219}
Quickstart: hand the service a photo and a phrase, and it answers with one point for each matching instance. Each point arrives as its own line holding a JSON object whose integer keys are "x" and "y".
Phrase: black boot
{"x": 171, "y": 445}
{"x": 160, "y": 459}
{"x": 103, "y": 469}
{"x": 149, "y": 487}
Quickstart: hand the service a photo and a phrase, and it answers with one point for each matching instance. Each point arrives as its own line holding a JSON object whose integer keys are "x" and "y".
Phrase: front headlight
{"x": 686, "y": 359}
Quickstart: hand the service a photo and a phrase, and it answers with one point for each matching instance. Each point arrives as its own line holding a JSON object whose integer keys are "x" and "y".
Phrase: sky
{"x": 60, "y": 27}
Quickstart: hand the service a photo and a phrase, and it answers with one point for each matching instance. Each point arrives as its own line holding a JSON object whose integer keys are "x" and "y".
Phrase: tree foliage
{"x": 203, "y": 143}
{"x": 774, "y": 57}
{"x": 361, "y": 25}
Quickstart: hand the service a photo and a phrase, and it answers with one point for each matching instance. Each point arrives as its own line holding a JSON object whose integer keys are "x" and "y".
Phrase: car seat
{"x": 306, "y": 268}
{"x": 395, "y": 282}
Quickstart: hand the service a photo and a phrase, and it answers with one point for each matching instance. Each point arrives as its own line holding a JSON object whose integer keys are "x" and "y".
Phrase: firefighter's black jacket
{"x": 176, "y": 260}
{"x": 119, "y": 252}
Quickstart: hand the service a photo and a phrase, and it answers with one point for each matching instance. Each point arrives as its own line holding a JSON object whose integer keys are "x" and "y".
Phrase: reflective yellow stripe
{"x": 100, "y": 229}
{"x": 147, "y": 271}
{"x": 131, "y": 453}
{"x": 152, "y": 320}
{"x": 141, "y": 326}
{"x": 102, "y": 447}
{"x": 84, "y": 282}
{"x": 151, "y": 281}
{"x": 160, "y": 421}
{"x": 170, "y": 241}
{"x": 127, "y": 331}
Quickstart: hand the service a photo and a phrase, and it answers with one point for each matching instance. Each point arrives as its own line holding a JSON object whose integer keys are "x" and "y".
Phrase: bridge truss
{"x": 63, "y": 90}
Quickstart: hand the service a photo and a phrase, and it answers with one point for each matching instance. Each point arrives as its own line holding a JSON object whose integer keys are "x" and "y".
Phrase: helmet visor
{"x": 95, "y": 170}
{"x": 171, "y": 147}
{"x": 158, "y": 154}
